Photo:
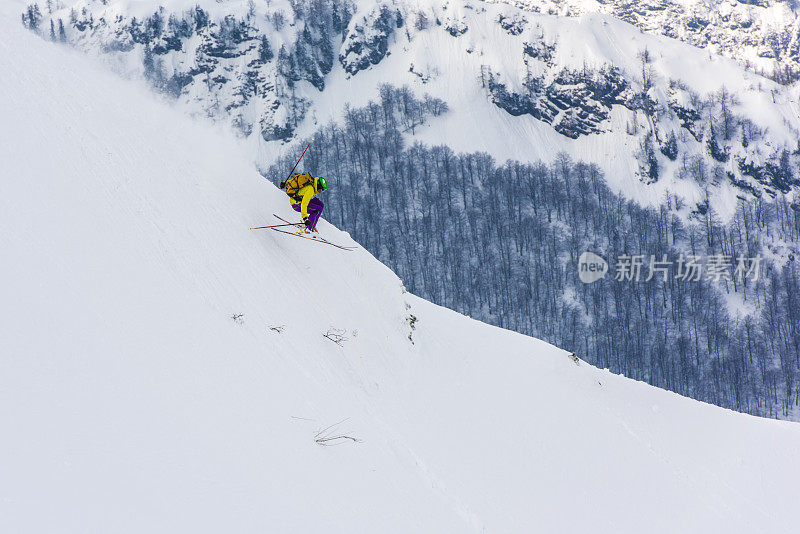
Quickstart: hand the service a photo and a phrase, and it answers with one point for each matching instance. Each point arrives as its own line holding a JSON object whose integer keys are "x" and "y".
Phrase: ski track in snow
{"x": 130, "y": 401}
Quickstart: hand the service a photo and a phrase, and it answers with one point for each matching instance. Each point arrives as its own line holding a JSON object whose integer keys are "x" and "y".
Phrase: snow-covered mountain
{"x": 762, "y": 35}
{"x": 584, "y": 103}
{"x": 641, "y": 106}
{"x": 163, "y": 368}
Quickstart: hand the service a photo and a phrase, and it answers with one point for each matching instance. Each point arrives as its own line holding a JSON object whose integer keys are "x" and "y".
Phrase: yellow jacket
{"x": 306, "y": 193}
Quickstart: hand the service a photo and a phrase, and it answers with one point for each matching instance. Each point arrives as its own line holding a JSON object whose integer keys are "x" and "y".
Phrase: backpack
{"x": 294, "y": 184}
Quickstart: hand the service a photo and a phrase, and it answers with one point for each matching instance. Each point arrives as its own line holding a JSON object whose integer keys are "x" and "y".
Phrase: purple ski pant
{"x": 314, "y": 211}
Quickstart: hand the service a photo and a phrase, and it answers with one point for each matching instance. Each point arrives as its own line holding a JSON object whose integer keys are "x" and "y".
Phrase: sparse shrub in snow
{"x": 717, "y": 152}
{"x": 421, "y": 21}
{"x": 513, "y": 25}
{"x": 648, "y": 162}
{"x": 336, "y": 335}
{"x": 32, "y": 17}
{"x": 412, "y": 323}
{"x": 330, "y": 436}
{"x": 670, "y": 147}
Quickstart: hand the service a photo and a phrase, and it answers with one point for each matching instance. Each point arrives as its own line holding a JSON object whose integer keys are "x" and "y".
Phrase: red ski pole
{"x": 298, "y": 161}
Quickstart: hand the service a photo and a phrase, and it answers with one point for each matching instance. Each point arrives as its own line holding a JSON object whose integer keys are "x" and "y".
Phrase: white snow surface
{"x": 131, "y": 401}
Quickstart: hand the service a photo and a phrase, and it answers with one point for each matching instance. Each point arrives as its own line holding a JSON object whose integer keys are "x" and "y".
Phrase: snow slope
{"x": 131, "y": 401}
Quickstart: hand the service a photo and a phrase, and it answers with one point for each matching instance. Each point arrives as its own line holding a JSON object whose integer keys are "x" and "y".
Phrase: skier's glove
{"x": 282, "y": 184}
{"x": 306, "y": 221}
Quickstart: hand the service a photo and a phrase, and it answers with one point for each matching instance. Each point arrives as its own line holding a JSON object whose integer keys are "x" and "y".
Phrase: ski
{"x": 318, "y": 240}
{"x": 297, "y": 224}
{"x": 272, "y": 226}
{"x": 315, "y": 237}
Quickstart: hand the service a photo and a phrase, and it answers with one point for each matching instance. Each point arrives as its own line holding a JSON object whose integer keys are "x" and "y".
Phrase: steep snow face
{"x": 763, "y": 35}
{"x": 520, "y": 85}
{"x": 131, "y": 400}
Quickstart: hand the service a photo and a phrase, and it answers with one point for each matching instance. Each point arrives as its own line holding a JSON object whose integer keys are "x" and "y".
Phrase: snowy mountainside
{"x": 132, "y": 401}
{"x": 762, "y": 35}
{"x": 706, "y": 144}
{"x": 502, "y": 242}
{"x": 649, "y": 110}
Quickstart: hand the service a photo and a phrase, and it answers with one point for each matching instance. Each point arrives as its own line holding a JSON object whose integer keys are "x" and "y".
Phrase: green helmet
{"x": 322, "y": 183}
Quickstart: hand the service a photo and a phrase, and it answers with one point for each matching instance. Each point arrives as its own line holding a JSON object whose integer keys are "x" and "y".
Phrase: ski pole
{"x": 274, "y": 226}
{"x": 298, "y": 161}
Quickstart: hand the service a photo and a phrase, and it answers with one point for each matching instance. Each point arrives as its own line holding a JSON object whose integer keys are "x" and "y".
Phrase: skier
{"x": 301, "y": 189}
